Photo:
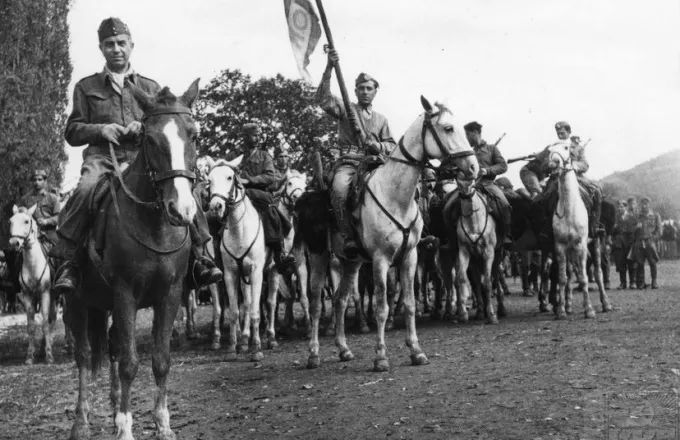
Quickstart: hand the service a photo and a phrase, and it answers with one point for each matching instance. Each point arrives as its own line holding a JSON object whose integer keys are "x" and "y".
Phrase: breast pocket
{"x": 101, "y": 105}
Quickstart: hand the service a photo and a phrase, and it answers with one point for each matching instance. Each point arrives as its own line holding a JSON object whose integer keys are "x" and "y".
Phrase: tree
{"x": 35, "y": 71}
{"x": 285, "y": 109}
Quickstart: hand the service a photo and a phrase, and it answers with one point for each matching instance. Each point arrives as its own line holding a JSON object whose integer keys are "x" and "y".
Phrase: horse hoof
{"x": 313, "y": 362}
{"x": 419, "y": 359}
{"x": 381, "y": 365}
{"x": 607, "y": 308}
{"x": 231, "y": 354}
{"x": 502, "y": 313}
{"x": 568, "y": 310}
{"x": 272, "y": 344}
{"x": 346, "y": 356}
{"x": 80, "y": 431}
{"x": 590, "y": 314}
{"x": 166, "y": 435}
{"x": 543, "y": 308}
{"x": 389, "y": 325}
{"x": 492, "y": 321}
{"x": 28, "y": 361}
{"x": 463, "y": 318}
{"x": 215, "y": 345}
{"x": 49, "y": 359}
{"x": 528, "y": 292}
{"x": 257, "y": 356}
{"x": 365, "y": 329}
{"x": 560, "y": 316}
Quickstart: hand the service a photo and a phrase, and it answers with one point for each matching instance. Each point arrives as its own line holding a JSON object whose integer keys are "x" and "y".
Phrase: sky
{"x": 611, "y": 68}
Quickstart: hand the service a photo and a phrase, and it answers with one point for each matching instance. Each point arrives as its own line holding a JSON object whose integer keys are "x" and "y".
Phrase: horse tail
{"x": 98, "y": 335}
{"x": 314, "y": 219}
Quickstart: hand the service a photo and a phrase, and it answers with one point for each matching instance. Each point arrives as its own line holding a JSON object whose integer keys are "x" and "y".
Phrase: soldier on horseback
{"x": 47, "y": 208}
{"x": 491, "y": 164}
{"x": 537, "y": 170}
{"x": 377, "y": 140}
{"x": 258, "y": 175}
{"x": 105, "y": 111}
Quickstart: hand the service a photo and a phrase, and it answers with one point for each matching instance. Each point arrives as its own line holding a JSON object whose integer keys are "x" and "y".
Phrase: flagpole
{"x": 341, "y": 80}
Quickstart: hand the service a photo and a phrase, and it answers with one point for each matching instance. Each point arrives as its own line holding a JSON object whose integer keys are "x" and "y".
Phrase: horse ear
{"x": 304, "y": 177}
{"x": 426, "y": 104}
{"x": 210, "y": 162}
{"x": 191, "y": 94}
{"x": 145, "y": 101}
{"x": 32, "y": 209}
{"x": 236, "y": 162}
{"x": 15, "y": 209}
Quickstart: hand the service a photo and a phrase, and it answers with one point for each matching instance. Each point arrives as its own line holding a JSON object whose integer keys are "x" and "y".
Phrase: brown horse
{"x": 143, "y": 264}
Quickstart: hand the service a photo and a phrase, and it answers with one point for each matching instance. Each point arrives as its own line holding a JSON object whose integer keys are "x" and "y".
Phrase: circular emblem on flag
{"x": 300, "y": 20}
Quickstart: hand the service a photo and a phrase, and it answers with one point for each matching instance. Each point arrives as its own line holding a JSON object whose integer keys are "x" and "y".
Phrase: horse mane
{"x": 294, "y": 173}
{"x": 443, "y": 107}
{"x": 223, "y": 163}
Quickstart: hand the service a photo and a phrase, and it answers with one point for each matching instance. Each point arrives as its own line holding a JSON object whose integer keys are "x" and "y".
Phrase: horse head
{"x": 224, "y": 186}
{"x": 169, "y": 149}
{"x": 466, "y": 185}
{"x": 22, "y": 228}
{"x": 560, "y": 156}
{"x": 441, "y": 135}
{"x": 296, "y": 185}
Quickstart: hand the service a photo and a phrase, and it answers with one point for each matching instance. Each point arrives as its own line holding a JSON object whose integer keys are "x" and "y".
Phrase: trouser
{"x": 530, "y": 180}
{"x": 645, "y": 251}
{"x": 344, "y": 177}
{"x": 274, "y": 225}
{"x": 74, "y": 219}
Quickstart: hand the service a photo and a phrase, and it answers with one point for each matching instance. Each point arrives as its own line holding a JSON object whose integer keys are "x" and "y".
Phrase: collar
{"x": 368, "y": 109}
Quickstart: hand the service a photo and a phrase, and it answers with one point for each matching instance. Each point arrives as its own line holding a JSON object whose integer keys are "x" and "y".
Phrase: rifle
{"x": 358, "y": 133}
{"x": 517, "y": 159}
{"x": 499, "y": 140}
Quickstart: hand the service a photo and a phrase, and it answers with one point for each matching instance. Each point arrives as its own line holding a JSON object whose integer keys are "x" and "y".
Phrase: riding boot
{"x": 349, "y": 246}
{"x": 67, "y": 278}
{"x": 204, "y": 269}
{"x": 284, "y": 261}
{"x": 652, "y": 272}
{"x": 640, "y": 278}
{"x": 632, "y": 276}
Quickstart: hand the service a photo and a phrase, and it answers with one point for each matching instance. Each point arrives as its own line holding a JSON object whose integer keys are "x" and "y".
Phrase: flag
{"x": 304, "y": 32}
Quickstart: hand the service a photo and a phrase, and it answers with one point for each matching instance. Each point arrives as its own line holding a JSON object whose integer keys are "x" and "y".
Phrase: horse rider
{"x": 257, "y": 175}
{"x": 376, "y": 140}
{"x": 538, "y": 169}
{"x": 105, "y": 111}
{"x": 47, "y": 208}
{"x": 281, "y": 164}
{"x": 491, "y": 164}
{"x": 648, "y": 230}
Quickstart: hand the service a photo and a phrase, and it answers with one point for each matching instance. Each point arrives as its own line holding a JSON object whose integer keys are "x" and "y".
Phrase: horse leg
{"x": 599, "y": 275}
{"x": 232, "y": 312}
{"x": 462, "y": 282}
{"x": 114, "y": 356}
{"x": 562, "y": 261}
{"x": 380, "y": 269}
{"x": 27, "y": 302}
{"x": 49, "y": 316}
{"x": 500, "y": 294}
{"x": 125, "y": 317}
{"x": 303, "y": 279}
{"x": 217, "y": 312}
{"x": 83, "y": 355}
{"x": 163, "y": 317}
{"x": 360, "y": 316}
{"x": 348, "y": 285}
{"x": 419, "y": 288}
{"x": 487, "y": 289}
{"x": 568, "y": 292}
{"x": 191, "y": 315}
{"x": 407, "y": 273}
{"x": 581, "y": 256}
{"x": 393, "y": 297}
{"x": 256, "y": 354}
{"x": 68, "y": 333}
{"x": 525, "y": 269}
{"x": 273, "y": 281}
{"x": 317, "y": 280}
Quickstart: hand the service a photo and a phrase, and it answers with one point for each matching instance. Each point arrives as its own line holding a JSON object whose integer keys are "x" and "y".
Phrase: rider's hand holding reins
{"x": 134, "y": 128}
{"x": 113, "y": 132}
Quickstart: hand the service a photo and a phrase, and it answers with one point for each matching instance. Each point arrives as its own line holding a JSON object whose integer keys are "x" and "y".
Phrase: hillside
{"x": 658, "y": 178}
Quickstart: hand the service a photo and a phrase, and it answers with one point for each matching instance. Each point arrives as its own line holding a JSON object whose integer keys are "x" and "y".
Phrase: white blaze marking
{"x": 186, "y": 206}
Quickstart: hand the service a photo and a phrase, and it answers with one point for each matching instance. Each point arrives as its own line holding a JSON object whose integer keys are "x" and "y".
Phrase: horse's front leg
{"x": 487, "y": 287}
{"x": 581, "y": 254}
{"x": 273, "y": 281}
{"x": 48, "y": 310}
{"x": 191, "y": 315}
{"x": 83, "y": 355}
{"x": 500, "y": 294}
{"x": 317, "y": 280}
{"x": 231, "y": 278}
{"x": 462, "y": 282}
{"x": 348, "y": 285}
{"x": 359, "y": 315}
{"x": 562, "y": 261}
{"x": 303, "y": 279}
{"x": 217, "y": 312}
{"x": 27, "y": 302}
{"x": 163, "y": 316}
{"x": 257, "y": 276}
{"x": 407, "y": 273}
{"x": 125, "y": 317}
{"x": 393, "y": 298}
{"x": 380, "y": 268}
{"x": 596, "y": 247}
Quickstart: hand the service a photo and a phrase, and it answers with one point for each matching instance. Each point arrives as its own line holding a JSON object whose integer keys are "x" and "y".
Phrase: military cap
{"x": 40, "y": 173}
{"x": 251, "y": 128}
{"x": 365, "y": 77}
{"x": 645, "y": 199}
{"x": 111, "y": 27}
{"x": 278, "y": 151}
{"x": 631, "y": 200}
{"x": 562, "y": 124}
{"x": 473, "y": 126}
{"x": 623, "y": 202}
{"x": 504, "y": 182}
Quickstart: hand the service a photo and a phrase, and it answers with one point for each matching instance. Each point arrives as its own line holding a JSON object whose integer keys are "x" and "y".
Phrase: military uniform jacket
{"x": 649, "y": 226}
{"x": 258, "y": 168}
{"x": 47, "y": 208}
{"x": 373, "y": 124}
{"x": 96, "y": 103}
{"x": 539, "y": 165}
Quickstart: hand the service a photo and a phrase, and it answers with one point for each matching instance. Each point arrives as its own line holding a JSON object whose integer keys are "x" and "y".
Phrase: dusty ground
{"x": 529, "y": 377}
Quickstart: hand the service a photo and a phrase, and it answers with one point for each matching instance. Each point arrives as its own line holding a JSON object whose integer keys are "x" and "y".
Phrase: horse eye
{"x": 229, "y": 178}
{"x": 448, "y": 129}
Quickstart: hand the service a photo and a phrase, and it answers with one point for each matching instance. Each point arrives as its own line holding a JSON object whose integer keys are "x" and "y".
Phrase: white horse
{"x": 295, "y": 185}
{"x": 389, "y": 229}
{"x": 34, "y": 279}
{"x": 243, "y": 254}
{"x": 570, "y": 228}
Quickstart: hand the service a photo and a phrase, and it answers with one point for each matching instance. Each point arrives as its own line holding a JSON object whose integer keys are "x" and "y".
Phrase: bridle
{"x": 288, "y": 199}
{"x": 232, "y": 200}
{"x": 28, "y": 235}
{"x": 428, "y": 126}
{"x": 25, "y": 246}
{"x": 155, "y": 176}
